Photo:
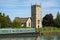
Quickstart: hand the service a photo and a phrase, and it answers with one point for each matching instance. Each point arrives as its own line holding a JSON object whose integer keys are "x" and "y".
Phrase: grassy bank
{"x": 49, "y": 29}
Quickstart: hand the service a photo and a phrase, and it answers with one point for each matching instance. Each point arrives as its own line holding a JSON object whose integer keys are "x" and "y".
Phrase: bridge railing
{"x": 17, "y": 30}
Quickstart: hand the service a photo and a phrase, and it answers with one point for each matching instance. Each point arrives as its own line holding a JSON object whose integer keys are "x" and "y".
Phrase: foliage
{"x": 16, "y": 24}
{"x": 48, "y": 20}
{"x": 57, "y": 20}
{"x": 49, "y": 29}
{"x": 0, "y": 25}
{"x": 4, "y": 21}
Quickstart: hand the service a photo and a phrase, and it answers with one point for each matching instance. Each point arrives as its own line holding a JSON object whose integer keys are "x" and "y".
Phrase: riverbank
{"x": 50, "y": 31}
{"x": 19, "y": 35}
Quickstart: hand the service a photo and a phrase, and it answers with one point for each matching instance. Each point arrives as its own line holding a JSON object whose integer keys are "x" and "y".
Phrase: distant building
{"x": 35, "y": 20}
{"x": 26, "y": 22}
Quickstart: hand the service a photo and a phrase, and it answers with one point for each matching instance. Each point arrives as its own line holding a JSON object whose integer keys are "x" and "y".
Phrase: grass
{"x": 49, "y": 29}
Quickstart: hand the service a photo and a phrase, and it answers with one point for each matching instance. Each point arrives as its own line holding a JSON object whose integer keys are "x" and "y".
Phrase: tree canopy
{"x": 4, "y": 21}
{"x": 57, "y": 20}
{"x": 48, "y": 20}
{"x": 16, "y": 24}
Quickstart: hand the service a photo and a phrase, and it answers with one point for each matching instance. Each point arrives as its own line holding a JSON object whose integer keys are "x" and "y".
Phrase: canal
{"x": 42, "y": 37}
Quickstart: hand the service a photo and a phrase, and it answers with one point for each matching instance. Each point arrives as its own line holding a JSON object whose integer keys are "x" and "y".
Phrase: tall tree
{"x": 48, "y": 20}
{"x": 57, "y": 20}
{"x": 4, "y": 21}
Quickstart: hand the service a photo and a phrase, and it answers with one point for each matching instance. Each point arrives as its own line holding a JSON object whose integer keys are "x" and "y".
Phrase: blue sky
{"x": 22, "y": 8}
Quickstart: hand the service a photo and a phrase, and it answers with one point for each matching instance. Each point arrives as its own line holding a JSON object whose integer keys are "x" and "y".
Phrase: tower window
{"x": 38, "y": 21}
{"x": 38, "y": 26}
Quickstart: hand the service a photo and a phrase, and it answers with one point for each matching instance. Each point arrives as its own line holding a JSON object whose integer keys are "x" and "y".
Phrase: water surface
{"x": 43, "y": 37}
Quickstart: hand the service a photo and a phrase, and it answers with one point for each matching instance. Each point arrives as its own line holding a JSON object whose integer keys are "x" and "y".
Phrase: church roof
{"x": 22, "y": 20}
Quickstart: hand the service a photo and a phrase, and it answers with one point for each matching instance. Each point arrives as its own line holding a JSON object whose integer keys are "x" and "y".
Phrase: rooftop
{"x": 22, "y": 20}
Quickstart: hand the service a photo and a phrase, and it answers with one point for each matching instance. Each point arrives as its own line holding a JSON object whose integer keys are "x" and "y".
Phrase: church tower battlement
{"x": 36, "y": 20}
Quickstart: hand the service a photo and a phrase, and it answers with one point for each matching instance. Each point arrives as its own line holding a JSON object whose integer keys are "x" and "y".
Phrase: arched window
{"x": 38, "y": 21}
{"x": 38, "y": 26}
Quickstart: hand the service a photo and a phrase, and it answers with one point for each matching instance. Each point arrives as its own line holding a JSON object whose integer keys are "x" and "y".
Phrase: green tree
{"x": 4, "y": 21}
{"x": 0, "y": 19}
{"x": 0, "y": 25}
{"x": 57, "y": 20}
{"x": 8, "y": 21}
{"x": 48, "y": 20}
{"x": 16, "y": 24}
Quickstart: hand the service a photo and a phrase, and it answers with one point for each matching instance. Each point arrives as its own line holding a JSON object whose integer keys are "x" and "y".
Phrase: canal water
{"x": 43, "y": 37}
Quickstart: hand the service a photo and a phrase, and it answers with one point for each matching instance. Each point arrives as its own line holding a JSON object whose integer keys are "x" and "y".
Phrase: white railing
{"x": 17, "y": 30}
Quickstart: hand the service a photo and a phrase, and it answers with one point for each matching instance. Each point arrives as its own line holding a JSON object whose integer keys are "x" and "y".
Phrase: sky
{"x": 22, "y": 8}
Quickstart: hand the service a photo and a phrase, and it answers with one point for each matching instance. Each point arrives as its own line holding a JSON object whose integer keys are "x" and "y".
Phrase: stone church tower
{"x": 36, "y": 21}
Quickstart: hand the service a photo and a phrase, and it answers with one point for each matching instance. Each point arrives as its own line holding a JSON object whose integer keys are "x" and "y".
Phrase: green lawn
{"x": 49, "y": 29}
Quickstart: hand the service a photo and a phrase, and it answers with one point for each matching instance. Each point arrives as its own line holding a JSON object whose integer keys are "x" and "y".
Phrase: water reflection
{"x": 19, "y": 38}
{"x": 55, "y": 37}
